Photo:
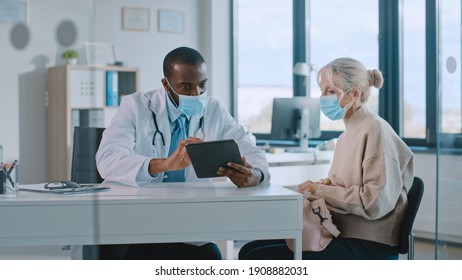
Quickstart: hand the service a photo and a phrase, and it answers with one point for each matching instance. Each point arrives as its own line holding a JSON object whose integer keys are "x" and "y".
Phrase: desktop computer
{"x": 294, "y": 121}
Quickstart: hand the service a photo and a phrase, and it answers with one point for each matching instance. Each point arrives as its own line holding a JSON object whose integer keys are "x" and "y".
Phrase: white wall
{"x": 146, "y": 50}
{"x": 23, "y": 77}
{"x": 23, "y": 73}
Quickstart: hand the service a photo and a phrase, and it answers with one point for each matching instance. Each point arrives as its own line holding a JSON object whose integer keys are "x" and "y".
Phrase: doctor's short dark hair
{"x": 181, "y": 55}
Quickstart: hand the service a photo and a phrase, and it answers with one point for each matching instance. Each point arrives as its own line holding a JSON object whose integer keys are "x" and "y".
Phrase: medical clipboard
{"x": 207, "y": 157}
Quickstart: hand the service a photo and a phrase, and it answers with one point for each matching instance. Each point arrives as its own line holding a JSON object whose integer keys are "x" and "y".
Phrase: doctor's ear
{"x": 164, "y": 83}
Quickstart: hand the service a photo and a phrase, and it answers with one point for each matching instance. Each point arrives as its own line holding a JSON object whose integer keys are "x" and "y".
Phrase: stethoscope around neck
{"x": 158, "y": 137}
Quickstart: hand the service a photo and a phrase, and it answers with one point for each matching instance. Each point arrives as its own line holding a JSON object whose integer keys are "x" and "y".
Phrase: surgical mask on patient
{"x": 190, "y": 105}
{"x": 331, "y": 108}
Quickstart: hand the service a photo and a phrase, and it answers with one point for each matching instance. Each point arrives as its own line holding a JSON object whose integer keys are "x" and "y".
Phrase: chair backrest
{"x": 85, "y": 146}
{"x": 414, "y": 197}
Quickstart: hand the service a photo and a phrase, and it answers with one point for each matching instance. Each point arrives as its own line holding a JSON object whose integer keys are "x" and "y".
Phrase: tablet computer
{"x": 207, "y": 157}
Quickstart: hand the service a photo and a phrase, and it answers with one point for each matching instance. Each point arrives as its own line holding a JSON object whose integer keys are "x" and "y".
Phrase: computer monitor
{"x": 295, "y": 119}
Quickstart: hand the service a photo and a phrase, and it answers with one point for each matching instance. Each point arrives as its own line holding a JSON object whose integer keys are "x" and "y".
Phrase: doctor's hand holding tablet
{"x": 241, "y": 175}
{"x": 179, "y": 159}
{"x": 222, "y": 158}
{"x": 210, "y": 159}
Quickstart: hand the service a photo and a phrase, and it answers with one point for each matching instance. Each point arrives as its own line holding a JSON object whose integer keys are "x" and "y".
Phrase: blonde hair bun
{"x": 375, "y": 78}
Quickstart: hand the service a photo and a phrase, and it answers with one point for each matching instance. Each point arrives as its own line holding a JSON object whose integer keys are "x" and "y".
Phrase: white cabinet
{"x": 78, "y": 95}
{"x": 85, "y": 88}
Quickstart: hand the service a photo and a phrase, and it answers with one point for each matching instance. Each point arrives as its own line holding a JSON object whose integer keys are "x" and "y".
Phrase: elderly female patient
{"x": 371, "y": 172}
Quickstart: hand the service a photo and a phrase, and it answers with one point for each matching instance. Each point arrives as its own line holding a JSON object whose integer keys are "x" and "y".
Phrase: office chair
{"x": 85, "y": 146}
{"x": 406, "y": 237}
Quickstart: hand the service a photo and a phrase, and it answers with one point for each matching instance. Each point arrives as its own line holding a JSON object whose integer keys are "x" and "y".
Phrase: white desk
{"x": 289, "y": 169}
{"x": 158, "y": 213}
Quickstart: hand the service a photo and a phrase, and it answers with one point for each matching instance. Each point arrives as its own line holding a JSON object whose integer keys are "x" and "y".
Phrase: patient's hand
{"x": 326, "y": 181}
{"x": 309, "y": 186}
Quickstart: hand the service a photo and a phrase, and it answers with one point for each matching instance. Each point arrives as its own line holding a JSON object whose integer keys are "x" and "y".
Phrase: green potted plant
{"x": 71, "y": 56}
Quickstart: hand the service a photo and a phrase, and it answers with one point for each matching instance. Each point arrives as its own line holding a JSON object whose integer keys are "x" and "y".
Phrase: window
{"x": 417, "y": 50}
{"x": 340, "y": 29}
{"x": 264, "y": 59}
{"x": 450, "y": 58}
{"x": 413, "y": 67}
{"x": 265, "y": 51}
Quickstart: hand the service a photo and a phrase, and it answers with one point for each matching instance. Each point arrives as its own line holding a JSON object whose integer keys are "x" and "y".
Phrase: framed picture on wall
{"x": 135, "y": 19}
{"x": 99, "y": 53}
{"x": 13, "y": 11}
{"x": 171, "y": 21}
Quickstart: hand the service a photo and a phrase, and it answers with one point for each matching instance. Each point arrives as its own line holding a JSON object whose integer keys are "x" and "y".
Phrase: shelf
{"x": 76, "y": 89}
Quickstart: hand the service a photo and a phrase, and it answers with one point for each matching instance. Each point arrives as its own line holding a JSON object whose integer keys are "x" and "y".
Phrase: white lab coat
{"x": 127, "y": 141}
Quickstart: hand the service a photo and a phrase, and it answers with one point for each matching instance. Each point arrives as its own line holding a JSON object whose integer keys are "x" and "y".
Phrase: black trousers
{"x": 155, "y": 251}
{"x": 338, "y": 249}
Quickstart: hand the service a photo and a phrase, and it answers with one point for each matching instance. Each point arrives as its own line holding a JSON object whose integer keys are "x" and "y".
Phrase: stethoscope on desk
{"x": 158, "y": 141}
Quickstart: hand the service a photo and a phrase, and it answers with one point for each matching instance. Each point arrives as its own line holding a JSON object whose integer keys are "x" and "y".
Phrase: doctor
{"x": 146, "y": 139}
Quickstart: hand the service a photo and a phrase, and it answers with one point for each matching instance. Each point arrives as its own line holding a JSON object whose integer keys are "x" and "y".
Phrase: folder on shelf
{"x": 112, "y": 88}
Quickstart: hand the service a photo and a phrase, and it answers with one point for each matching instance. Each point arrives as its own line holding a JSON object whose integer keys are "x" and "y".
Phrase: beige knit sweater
{"x": 372, "y": 170}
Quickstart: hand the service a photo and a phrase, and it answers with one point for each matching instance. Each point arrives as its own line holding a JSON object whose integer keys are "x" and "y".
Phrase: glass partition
{"x": 41, "y": 90}
{"x": 449, "y": 149}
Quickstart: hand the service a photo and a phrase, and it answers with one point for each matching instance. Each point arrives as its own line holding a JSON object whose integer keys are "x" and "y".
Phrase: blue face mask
{"x": 331, "y": 108}
{"x": 190, "y": 105}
